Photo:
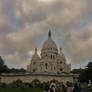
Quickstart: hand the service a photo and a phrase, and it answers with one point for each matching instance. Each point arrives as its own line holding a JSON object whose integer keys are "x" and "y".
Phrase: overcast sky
{"x": 24, "y": 25}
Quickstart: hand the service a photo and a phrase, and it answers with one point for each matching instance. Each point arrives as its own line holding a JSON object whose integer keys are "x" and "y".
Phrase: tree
{"x": 77, "y": 71}
{"x": 86, "y": 75}
{"x": 13, "y": 70}
{"x": 3, "y": 67}
{"x": 88, "y": 71}
{"x": 1, "y": 64}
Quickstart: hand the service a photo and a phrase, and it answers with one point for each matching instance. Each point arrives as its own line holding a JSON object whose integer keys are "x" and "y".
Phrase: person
{"x": 76, "y": 88}
{"x": 69, "y": 87}
{"x": 47, "y": 88}
{"x": 52, "y": 89}
{"x": 59, "y": 87}
{"x": 64, "y": 88}
{"x": 81, "y": 89}
{"x": 89, "y": 83}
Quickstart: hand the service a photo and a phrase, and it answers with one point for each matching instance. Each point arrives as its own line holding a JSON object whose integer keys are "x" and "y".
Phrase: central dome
{"x": 49, "y": 44}
{"x": 49, "y": 47}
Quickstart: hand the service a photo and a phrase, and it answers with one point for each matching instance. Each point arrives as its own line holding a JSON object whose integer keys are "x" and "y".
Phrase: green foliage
{"x": 1, "y": 62}
{"x": 13, "y": 70}
{"x": 9, "y": 88}
{"x": 86, "y": 75}
{"x": 77, "y": 71}
{"x": 3, "y": 67}
{"x": 17, "y": 84}
{"x": 88, "y": 89}
{"x": 36, "y": 83}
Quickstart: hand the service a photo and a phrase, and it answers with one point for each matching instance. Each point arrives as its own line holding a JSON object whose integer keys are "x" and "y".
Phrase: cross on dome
{"x": 49, "y": 34}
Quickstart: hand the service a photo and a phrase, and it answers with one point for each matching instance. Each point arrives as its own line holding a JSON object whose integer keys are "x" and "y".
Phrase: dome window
{"x": 54, "y": 68}
{"x": 46, "y": 65}
{"x": 34, "y": 70}
{"x": 41, "y": 68}
{"x": 51, "y": 57}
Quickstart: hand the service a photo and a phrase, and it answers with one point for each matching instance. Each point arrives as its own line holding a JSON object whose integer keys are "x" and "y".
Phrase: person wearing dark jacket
{"x": 76, "y": 88}
{"x": 64, "y": 88}
{"x": 47, "y": 88}
{"x": 53, "y": 89}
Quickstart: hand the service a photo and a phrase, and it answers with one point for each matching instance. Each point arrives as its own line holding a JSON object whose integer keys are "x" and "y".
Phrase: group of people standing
{"x": 60, "y": 87}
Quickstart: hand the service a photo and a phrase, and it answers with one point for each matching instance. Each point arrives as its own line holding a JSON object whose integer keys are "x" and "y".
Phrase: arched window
{"x": 61, "y": 69}
{"x": 46, "y": 65}
{"x": 54, "y": 68}
{"x": 41, "y": 68}
{"x": 51, "y": 56}
{"x": 51, "y": 67}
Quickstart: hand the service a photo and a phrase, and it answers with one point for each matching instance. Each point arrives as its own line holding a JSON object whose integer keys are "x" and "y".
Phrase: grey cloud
{"x": 25, "y": 24}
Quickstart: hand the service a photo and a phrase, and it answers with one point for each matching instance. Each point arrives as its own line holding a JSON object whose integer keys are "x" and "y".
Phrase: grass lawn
{"x": 10, "y": 89}
{"x": 28, "y": 89}
{"x": 87, "y": 88}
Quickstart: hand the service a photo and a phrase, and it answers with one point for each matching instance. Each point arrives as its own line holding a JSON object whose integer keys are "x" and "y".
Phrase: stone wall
{"x": 41, "y": 77}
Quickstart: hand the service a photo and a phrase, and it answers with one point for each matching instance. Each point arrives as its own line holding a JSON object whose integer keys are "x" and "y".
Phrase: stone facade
{"x": 51, "y": 60}
{"x": 28, "y": 78}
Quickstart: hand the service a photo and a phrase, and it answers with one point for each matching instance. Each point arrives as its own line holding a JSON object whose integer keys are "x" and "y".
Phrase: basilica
{"x": 50, "y": 65}
{"x": 50, "y": 61}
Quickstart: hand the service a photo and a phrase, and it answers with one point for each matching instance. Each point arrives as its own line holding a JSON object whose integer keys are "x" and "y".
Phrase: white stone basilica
{"x": 51, "y": 65}
{"x": 51, "y": 60}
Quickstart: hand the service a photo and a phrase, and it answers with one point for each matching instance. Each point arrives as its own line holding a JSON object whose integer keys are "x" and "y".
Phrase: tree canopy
{"x": 4, "y": 68}
{"x": 85, "y": 74}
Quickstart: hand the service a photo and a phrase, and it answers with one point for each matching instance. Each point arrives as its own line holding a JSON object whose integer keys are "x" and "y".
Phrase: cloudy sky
{"x": 24, "y": 25}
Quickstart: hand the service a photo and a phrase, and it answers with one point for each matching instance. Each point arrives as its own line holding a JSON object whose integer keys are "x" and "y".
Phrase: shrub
{"x": 18, "y": 83}
{"x": 36, "y": 83}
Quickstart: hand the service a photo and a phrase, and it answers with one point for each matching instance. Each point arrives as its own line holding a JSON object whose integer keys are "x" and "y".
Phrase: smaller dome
{"x": 61, "y": 55}
{"x": 35, "y": 56}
